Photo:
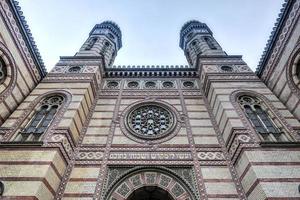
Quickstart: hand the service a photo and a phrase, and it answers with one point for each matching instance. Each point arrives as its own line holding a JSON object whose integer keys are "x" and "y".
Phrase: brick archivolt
{"x": 139, "y": 177}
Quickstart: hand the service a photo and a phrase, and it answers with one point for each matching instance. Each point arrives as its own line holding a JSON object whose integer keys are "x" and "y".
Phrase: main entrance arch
{"x": 144, "y": 183}
{"x": 150, "y": 193}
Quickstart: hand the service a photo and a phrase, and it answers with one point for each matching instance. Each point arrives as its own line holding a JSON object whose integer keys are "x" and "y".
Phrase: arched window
{"x": 210, "y": 43}
{"x": 3, "y": 71}
{"x": 91, "y": 43}
{"x": 41, "y": 119}
{"x": 195, "y": 46}
{"x": 261, "y": 120}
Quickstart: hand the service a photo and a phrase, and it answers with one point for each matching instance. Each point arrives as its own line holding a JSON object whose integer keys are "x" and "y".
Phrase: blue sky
{"x": 150, "y": 28}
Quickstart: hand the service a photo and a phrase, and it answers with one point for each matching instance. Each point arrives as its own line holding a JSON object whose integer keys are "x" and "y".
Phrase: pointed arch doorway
{"x": 150, "y": 193}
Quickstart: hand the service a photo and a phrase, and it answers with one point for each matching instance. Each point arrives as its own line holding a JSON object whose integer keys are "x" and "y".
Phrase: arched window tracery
{"x": 261, "y": 120}
{"x": 41, "y": 119}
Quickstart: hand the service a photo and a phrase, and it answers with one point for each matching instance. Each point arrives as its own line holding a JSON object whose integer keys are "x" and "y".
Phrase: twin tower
{"x": 105, "y": 39}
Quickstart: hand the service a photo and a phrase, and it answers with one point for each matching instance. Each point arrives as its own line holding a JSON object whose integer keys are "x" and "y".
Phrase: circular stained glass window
{"x": 150, "y": 121}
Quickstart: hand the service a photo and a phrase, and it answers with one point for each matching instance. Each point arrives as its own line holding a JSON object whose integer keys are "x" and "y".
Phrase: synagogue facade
{"x": 209, "y": 130}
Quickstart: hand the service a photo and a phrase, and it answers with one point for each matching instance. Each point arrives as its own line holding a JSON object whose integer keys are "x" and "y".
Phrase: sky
{"x": 150, "y": 28}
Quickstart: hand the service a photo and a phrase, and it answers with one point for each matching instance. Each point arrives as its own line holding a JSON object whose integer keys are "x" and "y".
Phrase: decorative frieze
{"x": 62, "y": 69}
{"x": 210, "y": 156}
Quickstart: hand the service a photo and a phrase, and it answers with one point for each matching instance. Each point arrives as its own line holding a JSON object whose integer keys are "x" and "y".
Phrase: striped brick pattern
{"x": 201, "y": 126}
{"x": 25, "y": 78}
{"x": 98, "y": 128}
{"x": 76, "y": 113}
{"x": 82, "y": 182}
{"x": 282, "y": 60}
{"x": 32, "y": 173}
{"x": 262, "y": 170}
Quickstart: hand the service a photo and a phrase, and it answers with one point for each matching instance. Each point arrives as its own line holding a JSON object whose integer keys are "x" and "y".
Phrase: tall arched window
{"x": 209, "y": 42}
{"x": 41, "y": 119}
{"x": 91, "y": 43}
{"x": 261, "y": 120}
{"x": 2, "y": 71}
{"x": 195, "y": 46}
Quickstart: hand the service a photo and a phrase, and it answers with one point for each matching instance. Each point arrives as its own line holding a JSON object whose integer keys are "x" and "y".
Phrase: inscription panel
{"x": 150, "y": 156}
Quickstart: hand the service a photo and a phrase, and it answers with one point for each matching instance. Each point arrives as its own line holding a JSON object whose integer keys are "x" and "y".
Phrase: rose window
{"x": 150, "y": 121}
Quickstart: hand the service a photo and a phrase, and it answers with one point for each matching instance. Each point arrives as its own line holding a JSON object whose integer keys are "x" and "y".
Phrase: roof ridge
{"x": 272, "y": 37}
{"x": 37, "y": 56}
{"x": 150, "y": 66}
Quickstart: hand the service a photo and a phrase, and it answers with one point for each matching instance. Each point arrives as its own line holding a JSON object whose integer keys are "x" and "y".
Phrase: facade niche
{"x": 41, "y": 119}
{"x": 263, "y": 120}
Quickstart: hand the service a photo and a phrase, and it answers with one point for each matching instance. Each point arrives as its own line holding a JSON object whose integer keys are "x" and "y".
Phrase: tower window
{"x": 91, "y": 43}
{"x": 210, "y": 43}
{"x": 41, "y": 119}
{"x": 107, "y": 44}
{"x": 260, "y": 120}
{"x": 3, "y": 71}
